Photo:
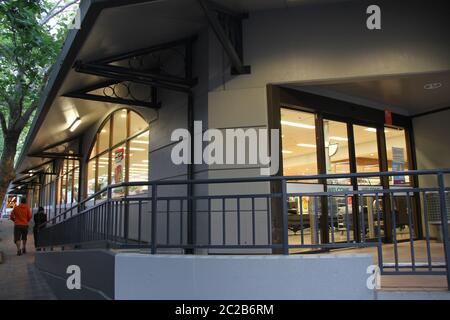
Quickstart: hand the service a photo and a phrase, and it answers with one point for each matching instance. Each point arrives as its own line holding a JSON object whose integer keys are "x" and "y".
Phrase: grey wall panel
{"x": 431, "y": 134}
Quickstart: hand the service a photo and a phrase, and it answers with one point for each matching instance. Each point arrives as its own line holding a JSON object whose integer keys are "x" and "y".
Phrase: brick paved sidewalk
{"x": 19, "y": 278}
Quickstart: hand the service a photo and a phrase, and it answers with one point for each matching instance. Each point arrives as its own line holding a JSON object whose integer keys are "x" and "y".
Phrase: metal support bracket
{"x": 117, "y": 74}
{"x": 228, "y": 29}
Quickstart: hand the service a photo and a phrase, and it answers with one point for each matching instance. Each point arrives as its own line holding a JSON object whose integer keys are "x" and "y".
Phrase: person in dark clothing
{"x": 40, "y": 219}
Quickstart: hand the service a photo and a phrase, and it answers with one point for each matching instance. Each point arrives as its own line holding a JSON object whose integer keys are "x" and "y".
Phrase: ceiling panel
{"x": 410, "y": 94}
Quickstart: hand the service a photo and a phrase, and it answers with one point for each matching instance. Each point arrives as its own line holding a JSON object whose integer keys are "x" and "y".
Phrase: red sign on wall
{"x": 388, "y": 117}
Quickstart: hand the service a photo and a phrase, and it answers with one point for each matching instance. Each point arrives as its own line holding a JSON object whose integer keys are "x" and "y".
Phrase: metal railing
{"x": 407, "y": 227}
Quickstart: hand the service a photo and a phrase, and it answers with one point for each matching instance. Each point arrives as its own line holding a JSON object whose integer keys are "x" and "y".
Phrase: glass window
{"x": 111, "y": 164}
{"x": 102, "y": 177}
{"x": 397, "y": 155}
{"x": 67, "y": 181}
{"x": 137, "y": 124}
{"x": 91, "y": 177}
{"x": 139, "y": 161}
{"x": 94, "y": 151}
{"x": 336, "y": 150}
{"x": 118, "y": 168}
{"x": 298, "y": 143}
{"x": 76, "y": 181}
{"x": 120, "y": 126}
{"x": 366, "y": 153}
{"x": 103, "y": 137}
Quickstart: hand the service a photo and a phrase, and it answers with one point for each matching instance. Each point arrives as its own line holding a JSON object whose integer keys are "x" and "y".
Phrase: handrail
{"x": 162, "y": 182}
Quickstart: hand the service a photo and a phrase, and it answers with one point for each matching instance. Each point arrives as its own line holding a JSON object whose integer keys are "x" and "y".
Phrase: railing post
{"x": 285, "y": 216}
{"x": 444, "y": 221}
{"x": 108, "y": 213}
{"x": 154, "y": 216}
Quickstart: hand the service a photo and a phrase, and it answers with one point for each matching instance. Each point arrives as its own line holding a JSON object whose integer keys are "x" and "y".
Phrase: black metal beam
{"x": 36, "y": 167}
{"x": 93, "y": 97}
{"x": 220, "y": 8}
{"x": 59, "y": 143}
{"x": 97, "y": 86}
{"x": 227, "y": 45}
{"x": 56, "y": 155}
{"x": 144, "y": 51}
{"x": 129, "y": 76}
{"x": 142, "y": 74}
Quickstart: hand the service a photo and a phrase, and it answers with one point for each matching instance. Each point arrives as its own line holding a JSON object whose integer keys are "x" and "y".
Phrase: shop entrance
{"x": 316, "y": 141}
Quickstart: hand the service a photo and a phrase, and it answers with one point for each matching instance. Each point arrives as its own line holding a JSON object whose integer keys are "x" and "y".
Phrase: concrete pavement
{"x": 19, "y": 278}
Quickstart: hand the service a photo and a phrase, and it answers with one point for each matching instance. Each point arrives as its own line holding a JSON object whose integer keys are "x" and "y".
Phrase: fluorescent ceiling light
{"x": 139, "y": 141}
{"x": 297, "y": 125}
{"x": 286, "y": 151}
{"x": 139, "y": 165}
{"x": 374, "y": 130}
{"x": 75, "y": 124}
{"x": 137, "y": 149}
{"x": 338, "y": 138}
{"x": 145, "y": 161}
{"x": 306, "y": 145}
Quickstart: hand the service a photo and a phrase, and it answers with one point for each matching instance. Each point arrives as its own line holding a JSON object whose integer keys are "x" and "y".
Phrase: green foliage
{"x": 28, "y": 49}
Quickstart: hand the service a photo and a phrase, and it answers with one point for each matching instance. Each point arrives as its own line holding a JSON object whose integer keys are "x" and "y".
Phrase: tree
{"x": 31, "y": 35}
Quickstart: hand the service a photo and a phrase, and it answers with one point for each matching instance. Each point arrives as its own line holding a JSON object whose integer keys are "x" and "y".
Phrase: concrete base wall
{"x": 177, "y": 277}
{"x": 97, "y": 273}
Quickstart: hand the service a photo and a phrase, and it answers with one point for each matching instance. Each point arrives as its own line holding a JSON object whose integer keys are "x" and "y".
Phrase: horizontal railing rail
{"x": 406, "y": 226}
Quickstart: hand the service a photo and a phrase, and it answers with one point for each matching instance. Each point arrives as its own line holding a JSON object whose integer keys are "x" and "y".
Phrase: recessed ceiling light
{"x": 432, "y": 86}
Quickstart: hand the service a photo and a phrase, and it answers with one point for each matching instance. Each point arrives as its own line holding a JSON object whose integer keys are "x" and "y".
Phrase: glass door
{"x": 313, "y": 144}
{"x": 337, "y": 161}
{"x": 299, "y": 154}
{"x": 367, "y": 159}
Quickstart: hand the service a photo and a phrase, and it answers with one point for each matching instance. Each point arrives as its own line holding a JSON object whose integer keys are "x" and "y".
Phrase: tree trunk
{"x": 7, "y": 173}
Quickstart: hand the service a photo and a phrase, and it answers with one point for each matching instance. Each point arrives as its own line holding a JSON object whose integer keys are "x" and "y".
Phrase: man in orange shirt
{"x": 21, "y": 215}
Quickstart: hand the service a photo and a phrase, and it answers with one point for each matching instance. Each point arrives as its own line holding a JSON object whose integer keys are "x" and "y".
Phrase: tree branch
{"x": 20, "y": 124}
{"x": 3, "y": 124}
{"x": 54, "y": 13}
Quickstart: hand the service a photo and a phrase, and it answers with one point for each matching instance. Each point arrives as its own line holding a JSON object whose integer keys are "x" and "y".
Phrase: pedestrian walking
{"x": 21, "y": 216}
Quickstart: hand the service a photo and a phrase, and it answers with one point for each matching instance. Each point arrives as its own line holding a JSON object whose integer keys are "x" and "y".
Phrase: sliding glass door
{"x": 315, "y": 144}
